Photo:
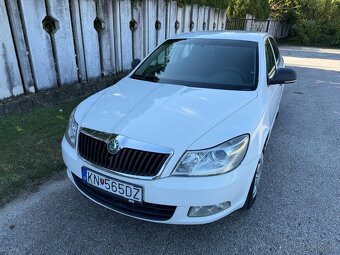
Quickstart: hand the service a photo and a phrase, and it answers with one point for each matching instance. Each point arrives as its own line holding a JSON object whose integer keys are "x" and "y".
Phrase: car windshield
{"x": 207, "y": 63}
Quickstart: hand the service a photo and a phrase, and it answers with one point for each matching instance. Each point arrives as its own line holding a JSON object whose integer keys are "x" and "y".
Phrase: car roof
{"x": 231, "y": 35}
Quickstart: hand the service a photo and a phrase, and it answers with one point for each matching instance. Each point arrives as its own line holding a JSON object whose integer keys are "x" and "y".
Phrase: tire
{"x": 252, "y": 194}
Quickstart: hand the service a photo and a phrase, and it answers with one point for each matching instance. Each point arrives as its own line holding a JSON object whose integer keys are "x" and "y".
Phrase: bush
{"x": 319, "y": 33}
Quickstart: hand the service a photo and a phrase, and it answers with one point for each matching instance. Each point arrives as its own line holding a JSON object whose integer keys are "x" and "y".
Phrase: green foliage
{"x": 284, "y": 10}
{"x": 318, "y": 23}
{"x": 220, "y": 4}
{"x": 239, "y": 8}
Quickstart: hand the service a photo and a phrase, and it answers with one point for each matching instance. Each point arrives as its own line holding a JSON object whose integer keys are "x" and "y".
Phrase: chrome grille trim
{"x": 139, "y": 151}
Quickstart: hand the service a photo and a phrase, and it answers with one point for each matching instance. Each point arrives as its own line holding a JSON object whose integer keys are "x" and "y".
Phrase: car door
{"x": 279, "y": 62}
{"x": 274, "y": 91}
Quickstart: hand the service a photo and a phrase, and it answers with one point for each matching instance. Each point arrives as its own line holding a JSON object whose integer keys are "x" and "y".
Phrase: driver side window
{"x": 270, "y": 60}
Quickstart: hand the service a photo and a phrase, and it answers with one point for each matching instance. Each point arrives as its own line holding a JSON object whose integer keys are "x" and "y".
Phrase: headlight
{"x": 71, "y": 130}
{"x": 218, "y": 160}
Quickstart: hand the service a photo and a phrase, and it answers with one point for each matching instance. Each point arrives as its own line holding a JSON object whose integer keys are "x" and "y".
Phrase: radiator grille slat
{"x": 127, "y": 160}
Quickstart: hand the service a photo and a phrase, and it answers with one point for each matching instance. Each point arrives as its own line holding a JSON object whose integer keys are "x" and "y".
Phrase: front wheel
{"x": 254, "y": 185}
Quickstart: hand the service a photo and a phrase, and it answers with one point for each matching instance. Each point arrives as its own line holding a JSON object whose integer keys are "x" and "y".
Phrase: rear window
{"x": 209, "y": 63}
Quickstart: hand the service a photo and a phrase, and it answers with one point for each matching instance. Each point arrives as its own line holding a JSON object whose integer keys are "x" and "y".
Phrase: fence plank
{"x": 171, "y": 18}
{"x": 138, "y": 35}
{"x": 211, "y": 19}
{"x": 187, "y": 18}
{"x": 180, "y": 19}
{"x": 194, "y": 17}
{"x": 152, "y": 17}
{"x": 106, "y": 37}
{"x": 62, "y": 41}
{"x": 117, "y": 35}
{"x": 39, "y": 43}
{"x": 200, "y": 19}
{"x": 90, "y": 38}
{"x": 216, "y": 19}
{"x": 21, "y": 48}
{"x": 206, "y": 18}
{"x": 78, "y": 39}
{"x": 126, "y": 35}
{"x": 10, "y": 81}
{"x": 161, "y": 17}
{"x": 221, "y": 20}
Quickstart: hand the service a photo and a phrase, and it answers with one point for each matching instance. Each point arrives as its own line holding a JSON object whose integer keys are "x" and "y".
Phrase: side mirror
{"x": 135, "y": 63}
{"x": 283, "y": 76}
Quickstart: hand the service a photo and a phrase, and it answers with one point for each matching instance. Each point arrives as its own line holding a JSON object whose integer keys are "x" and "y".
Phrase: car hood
{"x": 164, "y": 114}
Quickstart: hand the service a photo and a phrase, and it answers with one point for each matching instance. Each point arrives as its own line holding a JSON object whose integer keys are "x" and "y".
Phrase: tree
{"x": 239, "y": 8}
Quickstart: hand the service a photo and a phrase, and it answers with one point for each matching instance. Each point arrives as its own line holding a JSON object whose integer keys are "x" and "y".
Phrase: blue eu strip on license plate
{"x": 119, "y": 188}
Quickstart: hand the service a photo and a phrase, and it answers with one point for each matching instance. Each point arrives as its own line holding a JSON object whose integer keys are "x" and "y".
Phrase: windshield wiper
{"x": 145, "y": 78}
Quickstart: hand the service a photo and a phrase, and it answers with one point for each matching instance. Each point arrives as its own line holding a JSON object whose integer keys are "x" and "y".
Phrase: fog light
{"x": 201, "y": 211}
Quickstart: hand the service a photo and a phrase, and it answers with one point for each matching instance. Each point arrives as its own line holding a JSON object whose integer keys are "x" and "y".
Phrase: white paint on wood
{"x": 206, "y": 18}
{"x": 106, "y": 37}
{"x": 200, "y": 19}
{"x": 171, "y": 18}
{"x": 187, "y": 18}
{"x": 118, "y": 41}
{"x": 39, "y": 43}
{"x": 194, "y": 17}
{"x": 77, "y": 51}
{"x": 152, "y": 17}
{"x": 90, "y": 38}
{"x": 211, "y": 19}
{"x": 180, "y": 19}
{"x": 10, "y": 81}
{"x": 62, "y": 40}
{"x": 78, "y": 39}
{"x": 216, "y": 19}
{"x": 21, "y": 48}
{"x": 161, "y": 17}
{"x": 126, "y": 34}
{"x": 138, "y": 35}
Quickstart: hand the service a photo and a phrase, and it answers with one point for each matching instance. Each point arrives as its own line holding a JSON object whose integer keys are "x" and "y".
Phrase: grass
{"x": 30, "y": 150}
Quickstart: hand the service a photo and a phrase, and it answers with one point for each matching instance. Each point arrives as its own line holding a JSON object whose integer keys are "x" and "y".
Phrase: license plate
{"x": 122, "y": 189}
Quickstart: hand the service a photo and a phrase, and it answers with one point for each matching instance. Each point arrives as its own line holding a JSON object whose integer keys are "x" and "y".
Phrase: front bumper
{"x": 174, "y": 191}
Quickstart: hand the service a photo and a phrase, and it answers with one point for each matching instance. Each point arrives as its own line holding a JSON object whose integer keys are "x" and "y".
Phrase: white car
{"x": 180, "y": 140}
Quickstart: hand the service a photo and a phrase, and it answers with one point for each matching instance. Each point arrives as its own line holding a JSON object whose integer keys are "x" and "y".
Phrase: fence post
{"x": 268, "y": 23}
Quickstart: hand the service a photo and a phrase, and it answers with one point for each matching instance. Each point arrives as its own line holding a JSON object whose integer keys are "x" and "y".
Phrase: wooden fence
{"x": 48, "y": 43}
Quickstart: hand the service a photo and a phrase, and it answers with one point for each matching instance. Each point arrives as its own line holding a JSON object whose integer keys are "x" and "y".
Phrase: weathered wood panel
{"x": 194, "y": 17}
{"x": 187, "y": 18}
{"x": 126, "y": 34}
{"x": 180, "y": 19}
{"x": 138, "y": 35}
{"x": 171, "y": 18}
{"x": 21, "y": 48}
{"x": 10, "y": 81}
{"x": 62, "y": 41}
{"x": 76, "y": 51}
{"x": 206, "y": 18}
{"x": 200, "y": 20}
{"x": 221, "y": 20}
{"x": 106, "y": 37}
{"x": 118, "y": 39}
{"x": 90, "y": 38}
{"x": 161, "y": 17}
{"x": 216, "y": 19}
{"x": 211, "y": 19}
{"x": 78, "y": 39}
{"x": 39, "y": 43}
{"x": 151, "y": 8}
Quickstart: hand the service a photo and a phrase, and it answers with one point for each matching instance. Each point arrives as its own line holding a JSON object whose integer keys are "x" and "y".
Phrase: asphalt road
{"x": 297, "y": 209}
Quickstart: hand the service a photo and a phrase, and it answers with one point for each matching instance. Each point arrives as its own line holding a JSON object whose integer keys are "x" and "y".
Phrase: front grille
{"x": 145, "y": 210}
{"x": 127, "y": 161}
